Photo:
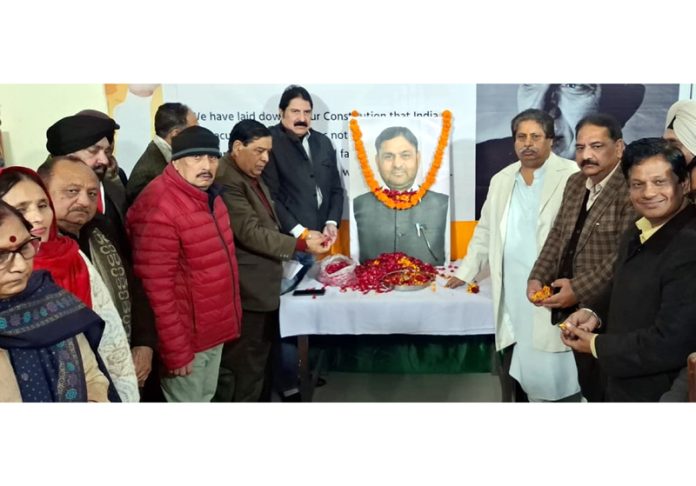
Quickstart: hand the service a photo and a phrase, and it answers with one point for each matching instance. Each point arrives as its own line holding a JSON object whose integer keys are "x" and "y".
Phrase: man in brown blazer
{"x": 261, "y": 248}
{"x": 578, "y": 257}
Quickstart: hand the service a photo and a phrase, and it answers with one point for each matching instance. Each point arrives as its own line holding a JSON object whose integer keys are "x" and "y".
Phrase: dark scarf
{"x": 107, "y": 260}
{"x": 38, "y": 328}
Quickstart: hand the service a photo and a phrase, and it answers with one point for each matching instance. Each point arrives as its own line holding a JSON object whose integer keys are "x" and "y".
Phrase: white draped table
{"x": 426, "y": 312}
{"x": 440, "y": 312}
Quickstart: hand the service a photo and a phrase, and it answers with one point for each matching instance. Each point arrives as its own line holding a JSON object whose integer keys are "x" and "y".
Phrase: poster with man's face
{"x": 399, "y": 155}
{"x": 640, "y": 109}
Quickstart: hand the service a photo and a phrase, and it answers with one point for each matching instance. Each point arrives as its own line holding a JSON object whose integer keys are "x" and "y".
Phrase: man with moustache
{"x": 260, "y": 248}
{"x": 522, "y": 203}
{"x": 567, "y": 104}
{"x": 184, "y": 252}
{"x": 650, "y": 309}
{"x": 302, "y": 174}
{"x": 73, "y": 188}
{"x": 418, "y": 231}
{"x": 578, "y": 257}
{"x": 90, "y": 138}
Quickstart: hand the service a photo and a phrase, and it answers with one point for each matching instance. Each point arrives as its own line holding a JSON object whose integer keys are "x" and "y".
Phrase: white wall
{"x": 27, "y": 110}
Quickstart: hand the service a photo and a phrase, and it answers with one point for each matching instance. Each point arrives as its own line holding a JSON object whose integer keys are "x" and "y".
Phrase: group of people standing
{"x": 612, "y": 236}
{"x": 165, "y": 285}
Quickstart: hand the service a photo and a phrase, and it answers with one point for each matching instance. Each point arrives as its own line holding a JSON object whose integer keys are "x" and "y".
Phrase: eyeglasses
{"x": 28, "y": 250}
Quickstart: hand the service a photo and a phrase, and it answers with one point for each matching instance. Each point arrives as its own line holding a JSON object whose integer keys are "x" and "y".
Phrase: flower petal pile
{"x": 542, "y": 294}
{"x": 370, "y": 276}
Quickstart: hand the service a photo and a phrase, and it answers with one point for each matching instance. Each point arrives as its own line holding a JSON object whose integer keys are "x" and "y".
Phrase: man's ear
{"x": 686, "y": 185}
{"x": 236, "y": 146}
{"x": 173, "y": 133}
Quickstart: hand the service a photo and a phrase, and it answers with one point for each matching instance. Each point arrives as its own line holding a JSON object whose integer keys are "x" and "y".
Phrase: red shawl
{"x": 60, "y": 254}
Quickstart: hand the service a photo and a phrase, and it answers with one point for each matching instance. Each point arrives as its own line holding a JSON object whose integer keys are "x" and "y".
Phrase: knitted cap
{"x": 195, "y": 140}
{"x": 78, "y": 132}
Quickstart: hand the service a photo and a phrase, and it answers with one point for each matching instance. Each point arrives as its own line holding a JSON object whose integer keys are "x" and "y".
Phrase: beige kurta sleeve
{"x": 97, "y": 383}
{"x": 9, "y": 390}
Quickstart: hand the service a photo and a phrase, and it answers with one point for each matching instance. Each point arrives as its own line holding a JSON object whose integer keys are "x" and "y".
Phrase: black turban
{"x": 78, "y": 132}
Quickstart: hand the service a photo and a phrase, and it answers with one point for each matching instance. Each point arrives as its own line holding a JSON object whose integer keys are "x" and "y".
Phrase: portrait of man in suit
{"x": 418, "y": 231}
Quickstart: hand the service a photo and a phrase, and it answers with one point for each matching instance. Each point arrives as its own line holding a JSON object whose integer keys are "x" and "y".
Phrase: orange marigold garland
{"x": 395, "y": 199}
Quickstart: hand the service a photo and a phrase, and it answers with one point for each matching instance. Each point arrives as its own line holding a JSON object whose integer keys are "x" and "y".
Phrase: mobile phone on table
{"x": 321, "y": 291}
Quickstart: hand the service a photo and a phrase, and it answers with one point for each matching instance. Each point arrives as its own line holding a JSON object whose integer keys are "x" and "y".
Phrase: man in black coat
{"x": 302, "y": 173}
{"x": 648, "y": 314}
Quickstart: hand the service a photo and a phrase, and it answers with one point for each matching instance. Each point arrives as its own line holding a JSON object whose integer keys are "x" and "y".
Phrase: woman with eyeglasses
{"x": 23, "y": 189}
{"x": 48, "y": 338}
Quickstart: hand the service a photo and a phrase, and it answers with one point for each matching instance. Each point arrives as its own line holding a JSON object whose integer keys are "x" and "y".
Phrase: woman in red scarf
{"x": 23, "y": 188}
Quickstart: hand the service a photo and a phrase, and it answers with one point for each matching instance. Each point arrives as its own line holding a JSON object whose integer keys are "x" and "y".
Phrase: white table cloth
{"x": 441, "y": 312}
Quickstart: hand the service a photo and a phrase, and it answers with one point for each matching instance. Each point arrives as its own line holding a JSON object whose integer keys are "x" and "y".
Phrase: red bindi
{"x": 13, "y": 238}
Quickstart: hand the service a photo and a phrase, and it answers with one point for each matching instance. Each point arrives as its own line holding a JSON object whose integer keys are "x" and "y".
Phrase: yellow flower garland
{"x": 405, "y": 200}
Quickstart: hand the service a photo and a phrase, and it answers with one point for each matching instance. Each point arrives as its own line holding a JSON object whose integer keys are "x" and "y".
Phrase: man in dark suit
{"x": 648, "y": 314}
{"x": 418, "y": 231}
{"x": 260, "y": 249}
{"x": 567, "y": 104}
{"x": 579, "y": 253}
{"x": 170, "y": 119}
{"x": 302, "y": 173}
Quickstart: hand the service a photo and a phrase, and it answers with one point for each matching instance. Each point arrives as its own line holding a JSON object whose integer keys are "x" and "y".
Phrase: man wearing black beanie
{"x": 183, "y": 249}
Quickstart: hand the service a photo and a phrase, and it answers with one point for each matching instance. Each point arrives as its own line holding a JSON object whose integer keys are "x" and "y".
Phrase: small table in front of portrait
{"x": 443, "y": 312}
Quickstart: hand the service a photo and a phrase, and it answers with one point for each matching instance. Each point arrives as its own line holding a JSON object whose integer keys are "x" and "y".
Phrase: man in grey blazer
{"x": 418, "y": 231}
{"x": 260, "y": 248}
{"x": 580, "y": 251}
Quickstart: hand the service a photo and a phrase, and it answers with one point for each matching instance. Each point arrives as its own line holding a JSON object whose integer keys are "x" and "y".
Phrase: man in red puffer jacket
{"x": 183, "y": 250}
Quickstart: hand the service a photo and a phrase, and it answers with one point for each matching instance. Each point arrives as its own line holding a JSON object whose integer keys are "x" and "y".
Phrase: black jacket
{"x": 292, "y": 179}
{"x": 651, "y": 322}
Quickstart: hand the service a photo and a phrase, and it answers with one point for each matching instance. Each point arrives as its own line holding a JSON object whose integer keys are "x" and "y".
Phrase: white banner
{"x": 219, "y": 107}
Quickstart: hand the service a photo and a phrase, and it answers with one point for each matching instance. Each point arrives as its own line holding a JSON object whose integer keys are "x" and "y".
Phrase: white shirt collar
{"x": 164, "y": 147}
{"x": 596, "y": 188}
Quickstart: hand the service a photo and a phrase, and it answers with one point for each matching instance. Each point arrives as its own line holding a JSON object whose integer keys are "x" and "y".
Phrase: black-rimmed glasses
{"x": 28, "y": 250}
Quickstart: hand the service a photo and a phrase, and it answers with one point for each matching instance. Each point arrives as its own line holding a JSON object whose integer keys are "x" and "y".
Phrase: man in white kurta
{"x": 522, "y": 202}
{"x": 543, "y": 375}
